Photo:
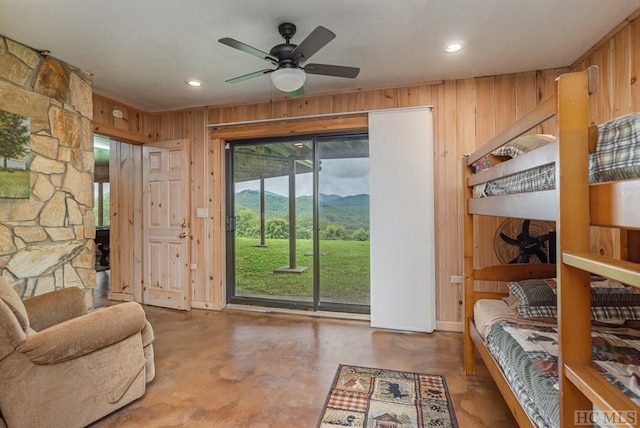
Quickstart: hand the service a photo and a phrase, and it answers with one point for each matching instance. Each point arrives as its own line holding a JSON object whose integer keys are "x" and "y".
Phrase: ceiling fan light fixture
{"x": 288, "y": 79}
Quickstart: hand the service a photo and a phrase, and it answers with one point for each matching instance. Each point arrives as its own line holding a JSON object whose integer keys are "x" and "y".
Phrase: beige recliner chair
{"x": 63, "y": 367}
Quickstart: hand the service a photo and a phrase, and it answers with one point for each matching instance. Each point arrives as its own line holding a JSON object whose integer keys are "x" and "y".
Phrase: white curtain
{"x": 402, "y": 219}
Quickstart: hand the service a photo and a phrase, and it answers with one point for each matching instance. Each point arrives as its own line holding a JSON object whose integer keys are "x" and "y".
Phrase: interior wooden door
{"x": 166, "y": 201}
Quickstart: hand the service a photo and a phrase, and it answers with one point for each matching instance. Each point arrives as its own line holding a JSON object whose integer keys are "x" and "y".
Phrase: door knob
{"x": 182, "y": 235}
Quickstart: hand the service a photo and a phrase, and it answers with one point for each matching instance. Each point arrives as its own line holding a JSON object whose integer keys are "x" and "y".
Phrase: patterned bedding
{"x": 528, "y": 355}
{"x": 617, "y": 157}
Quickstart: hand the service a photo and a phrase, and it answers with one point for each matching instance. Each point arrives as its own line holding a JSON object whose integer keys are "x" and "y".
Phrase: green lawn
{"x": 14, "y": 184}
{"x": 344, "y": 270}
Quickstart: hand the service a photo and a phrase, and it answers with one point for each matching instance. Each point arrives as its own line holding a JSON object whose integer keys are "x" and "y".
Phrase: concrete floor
{"x": 245, "y": 369}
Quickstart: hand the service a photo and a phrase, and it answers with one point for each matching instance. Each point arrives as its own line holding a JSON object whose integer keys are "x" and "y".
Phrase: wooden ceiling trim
{"x": 293, "y": 127}
{"x": 120, "y": 134}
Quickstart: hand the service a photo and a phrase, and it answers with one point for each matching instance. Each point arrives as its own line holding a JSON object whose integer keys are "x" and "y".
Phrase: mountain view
{"x": 350, "y": 211}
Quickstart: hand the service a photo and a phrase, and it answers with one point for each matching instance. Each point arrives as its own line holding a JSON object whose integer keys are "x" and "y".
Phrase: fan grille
{"x": 513, "y": 228}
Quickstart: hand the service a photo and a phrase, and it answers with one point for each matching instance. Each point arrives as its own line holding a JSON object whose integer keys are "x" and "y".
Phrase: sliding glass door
{"x": 298, "y": 223}
{"x": 343, "y": 215}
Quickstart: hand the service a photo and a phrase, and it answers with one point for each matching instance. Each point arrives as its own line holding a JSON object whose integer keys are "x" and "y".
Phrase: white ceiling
{"x": 140, "y": 52}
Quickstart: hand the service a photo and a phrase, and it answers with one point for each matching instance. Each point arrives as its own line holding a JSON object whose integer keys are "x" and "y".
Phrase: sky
{"x": 343, "y": 177}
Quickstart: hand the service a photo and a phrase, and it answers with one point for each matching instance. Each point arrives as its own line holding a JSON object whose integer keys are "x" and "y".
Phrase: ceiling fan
{"x": 289, "y": 59}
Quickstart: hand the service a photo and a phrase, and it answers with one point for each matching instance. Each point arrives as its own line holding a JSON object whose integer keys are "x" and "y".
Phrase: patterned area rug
{"x": 371, "y": 398}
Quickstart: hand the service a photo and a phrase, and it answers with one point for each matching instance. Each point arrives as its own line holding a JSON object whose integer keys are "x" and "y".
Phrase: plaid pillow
{"x": 610, "y": 300}
{"x": 523, "y": 144}
{"x": 617, "y": 156}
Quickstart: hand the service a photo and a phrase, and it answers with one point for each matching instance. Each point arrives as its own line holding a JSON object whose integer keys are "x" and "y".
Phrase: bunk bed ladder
{"x": 581, "y": 386}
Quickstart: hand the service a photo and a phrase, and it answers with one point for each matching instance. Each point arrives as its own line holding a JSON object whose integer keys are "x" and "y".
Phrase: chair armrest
{"x": 82, "y": 335}
{"x": 46, "y": 310}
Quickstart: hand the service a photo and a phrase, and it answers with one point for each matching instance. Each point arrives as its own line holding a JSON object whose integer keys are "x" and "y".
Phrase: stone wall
{"x": 46, "y": 241}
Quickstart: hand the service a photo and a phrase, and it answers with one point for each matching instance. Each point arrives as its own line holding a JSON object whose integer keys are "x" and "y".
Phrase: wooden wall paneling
{"x": 634, "y": 60}
{"x": 324, "y": 104}
{"x": 506, "y": 114}
{"x": 170, "y": 126}
{"x": 545, "y": 88}
{"x": 613, "y": 101}
{"x": 340, "y": 103}
{"x": 606, "y": 241}
{"x": 526, "y": 93}
{"x": 217, "y": 217}
{"x": 125, "y": 121}
{"x": 353, "y": 101}
{"x": 115, "y": 237}
{"x": 439, "y": 184}
{"x": 150, "y": 126}
{"x": 485, "y": 129}
{"x": 201, "y": 190}
{"x": 258, "y": 111}
{"x": 505, "y": 99}
{"x": 605, "y": 86}
{"x": 466, "y": 143}
{"x": 135, "y": 225}
{"x": 214, "y": 115}
{"x": 622, "y": 77}
{"x": 131, "y": 121}
{"x": 126, "y": 222}
{"x": 279, "y": 109}
{"x": 381, "y": 99}
{"x": 99, "y": 110}
{"x": 413, "y": 96}
{"x": 447, "y": 160}
{"x": 582, "y": 65}
{"x": 493, "y": 99}
{"x": 306, "y": 107}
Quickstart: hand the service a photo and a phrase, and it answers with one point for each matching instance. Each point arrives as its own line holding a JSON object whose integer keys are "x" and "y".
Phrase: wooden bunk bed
{"x": 574, "y": 205}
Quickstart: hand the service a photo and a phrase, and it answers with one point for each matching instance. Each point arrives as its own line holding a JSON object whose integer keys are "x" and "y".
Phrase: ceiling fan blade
{"x": 249, "y": 76}
{"x": 525, "y": 227}
{"x": 332, "y": 70}
{"x": 232, "y": 43}
{"x": 297, "y": 93}
{"x": 313, "y": 43}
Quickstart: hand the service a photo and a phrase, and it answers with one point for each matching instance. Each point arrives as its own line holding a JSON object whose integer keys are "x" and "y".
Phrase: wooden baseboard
{"x": 122, "y": 297}
{"x": 204, "y": 305}
{"x": 449, "y": 326}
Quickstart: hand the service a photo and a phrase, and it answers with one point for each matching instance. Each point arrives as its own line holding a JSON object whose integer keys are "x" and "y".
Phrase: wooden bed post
{"x": 574, "y": 297}
{"x": 468, "y": 346}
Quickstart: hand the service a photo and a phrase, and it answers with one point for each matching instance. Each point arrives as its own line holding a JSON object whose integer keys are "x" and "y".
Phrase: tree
{"x": 247, "y": 223}
{"x": 277, "y": 228}
{"x": 334, "y": 232}
{"x": 304, "y": 226}
{"x": 360, "y": 235}
{"x": 14, "y": 136}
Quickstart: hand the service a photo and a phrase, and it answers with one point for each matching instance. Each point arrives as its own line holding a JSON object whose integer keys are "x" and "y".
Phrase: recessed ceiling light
{"x": 194, "y": 83}
{"x": 453, "y": 47}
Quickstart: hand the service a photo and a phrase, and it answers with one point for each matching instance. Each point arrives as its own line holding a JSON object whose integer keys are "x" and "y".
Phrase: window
{"x": 101, "y": 204}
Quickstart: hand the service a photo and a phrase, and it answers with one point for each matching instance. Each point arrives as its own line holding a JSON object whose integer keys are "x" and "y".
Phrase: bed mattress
{"x": 528, "y": 356}
{"x": 617, "y": 157}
